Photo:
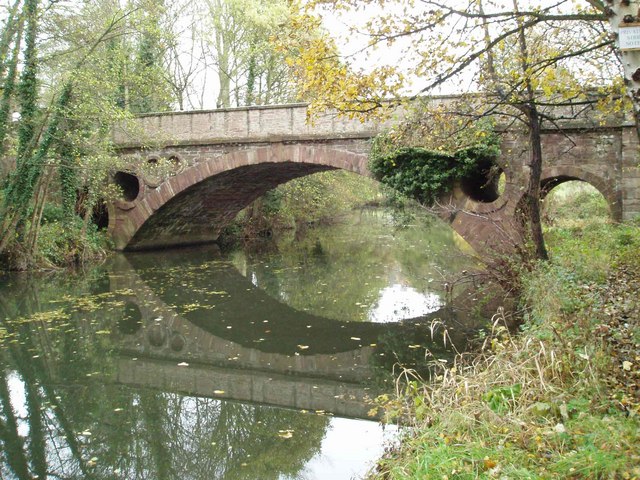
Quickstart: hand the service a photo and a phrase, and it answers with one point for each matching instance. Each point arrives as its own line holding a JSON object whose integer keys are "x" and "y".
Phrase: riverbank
{"x": 560, "y": 399}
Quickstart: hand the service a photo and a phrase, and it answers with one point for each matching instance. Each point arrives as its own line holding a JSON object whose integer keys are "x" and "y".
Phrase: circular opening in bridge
{"x": 570, "y": 202}
{"x": 486, "y": 184}
{"x": 131, "y": 320}
{"x": 129, "y": 184}
{"x": 175, "y": 163}
{"x": 157, "y": 335}
{"x": 100, "y": 215}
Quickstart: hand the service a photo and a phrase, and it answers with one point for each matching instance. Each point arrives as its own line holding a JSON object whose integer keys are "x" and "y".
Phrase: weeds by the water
{"x": 560, "y": 399}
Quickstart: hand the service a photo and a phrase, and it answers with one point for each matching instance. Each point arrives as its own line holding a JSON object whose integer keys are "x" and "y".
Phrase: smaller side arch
{"x": 554, "y": 176}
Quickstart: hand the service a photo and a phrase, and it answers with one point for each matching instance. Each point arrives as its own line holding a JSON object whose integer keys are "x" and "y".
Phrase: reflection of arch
{"x": 213, "y": 191}
{"x": 553, "y": 176}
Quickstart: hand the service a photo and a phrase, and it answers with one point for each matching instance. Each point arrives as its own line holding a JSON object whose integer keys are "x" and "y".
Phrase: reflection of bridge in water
{"x": 248, "y": 346}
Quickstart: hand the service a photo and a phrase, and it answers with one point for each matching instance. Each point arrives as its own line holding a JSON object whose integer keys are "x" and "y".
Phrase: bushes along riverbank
{"x": 561, "y": 399}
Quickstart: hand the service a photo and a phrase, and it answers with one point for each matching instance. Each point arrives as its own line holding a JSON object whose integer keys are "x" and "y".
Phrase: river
{"x": 257, "y": 363}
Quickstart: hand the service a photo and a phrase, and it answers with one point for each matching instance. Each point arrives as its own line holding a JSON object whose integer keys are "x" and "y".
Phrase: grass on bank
{"x": 561, "y": 398}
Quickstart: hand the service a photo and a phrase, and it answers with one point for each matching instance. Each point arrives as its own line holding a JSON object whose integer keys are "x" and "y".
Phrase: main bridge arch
{"x": 194, "y": 205}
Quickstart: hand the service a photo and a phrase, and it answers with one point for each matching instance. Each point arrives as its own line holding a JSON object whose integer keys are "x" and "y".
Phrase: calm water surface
{"x": 192, "y": 364}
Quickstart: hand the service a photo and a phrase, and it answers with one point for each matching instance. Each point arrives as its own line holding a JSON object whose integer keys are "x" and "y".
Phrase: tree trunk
{"x": 534, "y": 164}
{"x": 532, "y": 193}
{"x": 38, "y": 211}
{"x": 12, "y": 27}
{"x": 9, "y": 86}
{"x": 620, "y": 15}
{"x": 251, "y": 80}
{"x": 28, "y": 86}
{"x": 224, "y": 95}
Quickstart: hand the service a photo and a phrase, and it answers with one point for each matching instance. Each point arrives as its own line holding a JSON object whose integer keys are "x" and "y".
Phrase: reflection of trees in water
{"x": 203, "y": 438}
{"x": 323, "y": 275}
{"x": 338, "y": 271}
{"x": 72, "y": 423}
{"x": 50, "y": 435}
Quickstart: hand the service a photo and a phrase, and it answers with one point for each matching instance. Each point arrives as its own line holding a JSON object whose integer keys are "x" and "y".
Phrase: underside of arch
{"x": 199, "y": 213}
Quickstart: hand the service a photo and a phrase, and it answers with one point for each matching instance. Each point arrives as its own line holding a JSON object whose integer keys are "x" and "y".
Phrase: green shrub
{"x": 52, "y": 213}
{"x": 61, "y": 243}
{"x": 425, "y": 175}
{"x": 313, "y": 199}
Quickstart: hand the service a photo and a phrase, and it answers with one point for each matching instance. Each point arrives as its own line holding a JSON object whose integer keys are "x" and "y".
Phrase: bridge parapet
{"x": 238, "y": 125}
{"x": 290, "y": 122}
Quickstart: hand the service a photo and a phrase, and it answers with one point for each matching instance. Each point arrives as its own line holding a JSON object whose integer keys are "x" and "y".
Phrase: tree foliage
{"x": 250, "y": 70}
{"x": 444, "y": 44}
{"x": 534, "y": 65}
{"x": 70, "y": 91}
{"x": 327, "y": 81}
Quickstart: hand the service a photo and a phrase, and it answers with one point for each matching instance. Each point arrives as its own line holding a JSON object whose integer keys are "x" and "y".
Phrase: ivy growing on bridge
{"x": 426, "y": 175}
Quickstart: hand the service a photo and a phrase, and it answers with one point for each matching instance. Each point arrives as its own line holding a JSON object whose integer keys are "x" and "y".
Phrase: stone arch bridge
{"x": 188, "y": 174}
